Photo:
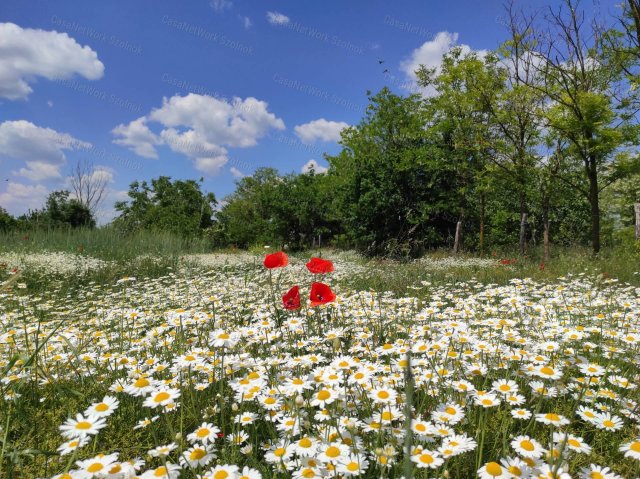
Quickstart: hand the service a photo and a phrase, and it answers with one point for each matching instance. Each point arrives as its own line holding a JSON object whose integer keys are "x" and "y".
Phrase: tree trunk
{"x": 482, "y": 214}
{"x": 458, "y": 238}
{"x": 545, "y": 233}
{"x": 637, "y": 208}
{"x": 523, "y": 223}
{"x": 594, "y": 201}
{"x": 523, "y": 233}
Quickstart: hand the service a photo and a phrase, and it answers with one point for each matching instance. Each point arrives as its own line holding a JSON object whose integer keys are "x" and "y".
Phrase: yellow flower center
{"x": 494, "y": 469}
{"x": 426, "y": 458}
{"x": 332, "y": 451}
{"x": 83, "y": 425}
{"x": 163, "y": 396}
{"x": 324, "y": 395}
{"x": 546, "y": 370}
{"x": 383, "y": 394}
{"x": 203, "y": 432}
{"x": 305, "y": 442}
{"x": 141, "y": 383}
{"x": 527, "y": 445}
{"x": 95, "y": 467}
{"x": 197, "y": 454}
{"x": 221, "y": 475}
{"x": 102, "y": 407}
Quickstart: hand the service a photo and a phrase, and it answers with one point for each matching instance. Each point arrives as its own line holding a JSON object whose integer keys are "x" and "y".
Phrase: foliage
{"x": 60, "y": 211}
{"x": 178, "y": 207}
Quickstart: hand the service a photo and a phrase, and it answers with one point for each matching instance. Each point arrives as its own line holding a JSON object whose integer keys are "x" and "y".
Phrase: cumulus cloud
{"x": 276, "y": 18}
{"x": 137, "y": 136}
{"x": 430, "y": 54}
{"x": 320, "y": 129}
{"x": 41, "y": 149}
{"x": 313, "y": 165}
{"x": 18, "y": 198}
{"x": 200, "y": 127}
{"x": 28, "y": 53}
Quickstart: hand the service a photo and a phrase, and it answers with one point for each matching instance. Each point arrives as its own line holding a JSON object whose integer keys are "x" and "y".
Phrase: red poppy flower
{"x": 320, "y": 266}
{"x": 321, "y": 294}
{"x": 291, "y": 300}
{"x": 541, "y": 266}
{"x": 276, "y": 260}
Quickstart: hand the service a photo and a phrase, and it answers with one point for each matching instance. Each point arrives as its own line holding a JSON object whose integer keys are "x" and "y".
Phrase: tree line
{"x": 532, "y": 144}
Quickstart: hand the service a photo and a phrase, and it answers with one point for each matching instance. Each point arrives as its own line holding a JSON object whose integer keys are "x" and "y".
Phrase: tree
{"x": 7, "y": 222}
{"x": 60, "y": 211}
{"x": 89, "y": 184}
{"x": 583, "y": 84}
{"x": 177, "y": 206}
{"x": 391, "y": 183}
{"x": 460, "y": 124}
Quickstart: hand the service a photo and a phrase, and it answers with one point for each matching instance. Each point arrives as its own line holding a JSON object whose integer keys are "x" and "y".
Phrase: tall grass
{"x": 104, "y": 243}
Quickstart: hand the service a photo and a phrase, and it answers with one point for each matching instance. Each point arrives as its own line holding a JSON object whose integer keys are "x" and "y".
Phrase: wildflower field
{"x": 245, "y": 366}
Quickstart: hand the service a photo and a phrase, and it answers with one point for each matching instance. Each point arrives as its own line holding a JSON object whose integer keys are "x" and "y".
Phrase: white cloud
{"x": 42, "y": 149}
{"x": 221, "y": 5}
{"x": 200, "y": 127}
{"x": 28, "y": 53}
{"x": 138, "y": 137}
{"x": 313, "y": 165}
{"x": 430, "y": 55}
{"x": 276, "y": 18}
{"x": 19, "y": 198}
{"x": 236, "y": 172}
{"x": 320, "y": 129}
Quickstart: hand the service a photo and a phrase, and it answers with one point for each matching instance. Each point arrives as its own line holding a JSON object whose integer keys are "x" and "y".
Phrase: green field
{"x": 185, "y": 364}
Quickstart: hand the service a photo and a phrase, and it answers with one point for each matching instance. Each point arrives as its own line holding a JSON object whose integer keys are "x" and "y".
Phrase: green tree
{"x": 60, "y": 211}
{"x": 584, "y": 85}
{"x": 177, "y": 206}
{"x": 7, "y": 222}
{"x": 391, "y": 184}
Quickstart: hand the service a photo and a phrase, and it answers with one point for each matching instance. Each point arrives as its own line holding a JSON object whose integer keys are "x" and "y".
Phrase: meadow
{"x": 159, "y": 360}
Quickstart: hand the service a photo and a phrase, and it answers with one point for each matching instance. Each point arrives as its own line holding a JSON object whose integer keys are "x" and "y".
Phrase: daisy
{"x": 516, "y": 466}
{"x": 140, "y": 387}
{"x": 521, "y": 414}
{"x": 448, "y": 413}
{"x": 572, "y": 442}
{"x": 421, "y": 428}
{"x": 206, "y": 433}
{"x": 505, "y": 386}
{"x": 104, "y": 408}
{"x": 587, "y": 413}
{"x": 145, "y": 422}
{"x": 125, "y": 470}
{"x": 527, "y": 447}
{"x": 306, "y": 446}
{"x": 161, "y": 397}
{"x": 598, "y": 472}
{"x": 245, "y": 418}
{"x": 493, "y": 470}
{"x": 353, "y": 465}
{"x": 222, "y": 471}
{"x": 383, "y": 395}
{"x": 162, "y": 451}
{"x": 238, "y": 438}
{"x": 333, "y": 452}
{"x": 248, "y": 473}
{"x": 487, "y": 400}
{"x": 97, "y": 465}
{"x": 197, "y": 456}
{"x": 168, "y": 471}
{"x": 545, "y": 471}
{"x": 323, "y": 397}
{"x": 423, "y": 458}
{"x": 608, "y": 422}
{"x": 547, "y": 372}
{"x": 278, "y": 454}
{"x": 82, "y": 426}
{"x": 631, "y": 449}
{"x": 552, "y": 419}
{"x": 73, "y": 444}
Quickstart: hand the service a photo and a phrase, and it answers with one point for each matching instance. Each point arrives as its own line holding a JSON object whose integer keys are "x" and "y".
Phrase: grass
{"x": 67, "y": 340}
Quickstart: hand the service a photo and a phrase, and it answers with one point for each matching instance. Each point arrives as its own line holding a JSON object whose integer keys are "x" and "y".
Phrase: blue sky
{"x": 211, "y": 88}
